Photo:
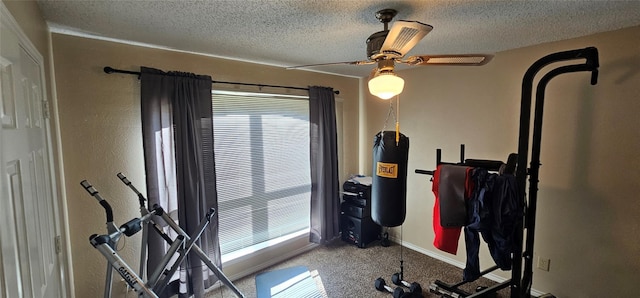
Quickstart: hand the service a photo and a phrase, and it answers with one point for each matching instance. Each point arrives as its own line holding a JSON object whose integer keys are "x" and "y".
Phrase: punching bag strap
{"x": 396, "y": 118}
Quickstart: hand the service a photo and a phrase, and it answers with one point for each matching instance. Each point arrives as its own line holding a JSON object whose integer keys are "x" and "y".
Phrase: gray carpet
{"x": 345, "y": 270}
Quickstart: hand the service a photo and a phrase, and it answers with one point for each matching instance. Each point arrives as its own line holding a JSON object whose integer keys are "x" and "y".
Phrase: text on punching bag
{"x": 387, "y": 170}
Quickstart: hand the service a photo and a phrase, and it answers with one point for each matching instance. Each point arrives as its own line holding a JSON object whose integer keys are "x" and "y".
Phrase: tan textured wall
{"x": 587, "y": 219}
{"x": 101, "y": 130}
{"x": 28, "y": 15}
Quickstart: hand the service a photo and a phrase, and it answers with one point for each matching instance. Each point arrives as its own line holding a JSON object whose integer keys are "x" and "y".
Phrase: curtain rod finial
{"x": 108, "y": 69}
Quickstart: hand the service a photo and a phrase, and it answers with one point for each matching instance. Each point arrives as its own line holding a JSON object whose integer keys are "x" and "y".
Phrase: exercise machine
{"x": 178, "y": 249}
{"x": 105, "y": 245}
{"x": 176, "y": 228}
{"x": 522, "y": 257}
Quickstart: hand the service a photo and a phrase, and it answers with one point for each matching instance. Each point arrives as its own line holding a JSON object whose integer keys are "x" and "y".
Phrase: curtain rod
{"x": 111, "y": 70}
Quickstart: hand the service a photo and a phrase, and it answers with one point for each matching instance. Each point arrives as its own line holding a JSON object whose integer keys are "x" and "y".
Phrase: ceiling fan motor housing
{"x": 374, "y": 44}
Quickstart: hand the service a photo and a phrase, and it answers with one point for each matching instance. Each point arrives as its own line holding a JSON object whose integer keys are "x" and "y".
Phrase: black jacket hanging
{"x": 494, "y": 211}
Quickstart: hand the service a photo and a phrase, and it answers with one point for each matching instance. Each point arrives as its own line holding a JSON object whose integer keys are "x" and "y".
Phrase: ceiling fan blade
{"x": 461, "y": 60}
{"x": 333, "y": 63}
{"x": 403, "y": 36}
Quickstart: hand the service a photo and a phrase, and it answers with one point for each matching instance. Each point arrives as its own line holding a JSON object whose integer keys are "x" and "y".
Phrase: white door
{"x": 28, "y": 209}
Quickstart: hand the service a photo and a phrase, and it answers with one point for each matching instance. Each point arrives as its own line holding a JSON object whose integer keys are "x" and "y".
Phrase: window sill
{"x": 260, "y": 246}
{"x": 238, "y": 265}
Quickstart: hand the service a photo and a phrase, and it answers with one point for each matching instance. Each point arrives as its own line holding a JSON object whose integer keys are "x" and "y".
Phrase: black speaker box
{"x": 354, "y": 210}
{"x": 359, "y": 231}
{"x": 356, "y": 199}
{"x": 361, "y": 190}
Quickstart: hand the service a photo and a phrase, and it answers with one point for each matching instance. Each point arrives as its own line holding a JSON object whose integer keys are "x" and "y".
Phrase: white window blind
{"x": 261, "y": 145}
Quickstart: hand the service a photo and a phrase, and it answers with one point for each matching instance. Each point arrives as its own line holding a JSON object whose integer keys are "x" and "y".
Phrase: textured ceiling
{"x": 295, "y": 32}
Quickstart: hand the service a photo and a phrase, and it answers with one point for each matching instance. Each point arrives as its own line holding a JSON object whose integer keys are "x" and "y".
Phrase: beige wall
{"x": 587, "y": 214}
{"x": 101, "y": 130}
{"x": 28, "y": 15}
{"x": 587, "y": 219}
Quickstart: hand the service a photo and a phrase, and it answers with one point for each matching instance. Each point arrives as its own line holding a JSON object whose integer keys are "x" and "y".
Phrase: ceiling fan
{"x": 388, "y": 47}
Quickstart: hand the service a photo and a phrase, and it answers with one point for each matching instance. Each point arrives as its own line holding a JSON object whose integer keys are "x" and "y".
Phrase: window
{"x": 261, "y": 145}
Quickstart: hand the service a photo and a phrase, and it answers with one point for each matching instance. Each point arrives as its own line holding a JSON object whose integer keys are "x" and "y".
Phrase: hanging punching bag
{"x": 389, "y": 185}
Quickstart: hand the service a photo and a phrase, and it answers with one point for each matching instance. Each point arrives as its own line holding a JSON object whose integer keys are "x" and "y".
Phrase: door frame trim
{"x": 55, "y": 160}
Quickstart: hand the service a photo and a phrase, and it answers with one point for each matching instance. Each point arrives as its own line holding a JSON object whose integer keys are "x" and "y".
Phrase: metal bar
{"x": 530, "y": 219}
{"x": 110, "y": 70}
{"x": 424, "y": 172}
{"x": 108, "y": 281}
{"x": 518, "y": 286}
{"x": 132, "y": 279}
{"x": 143, "y": 251}
{"x": 203, "y": 256}
{"x": 184, "y": 251}
{"x": 155, "y": 276}
{"x": 451, "y": 289}
{"x": 492, "y": 289}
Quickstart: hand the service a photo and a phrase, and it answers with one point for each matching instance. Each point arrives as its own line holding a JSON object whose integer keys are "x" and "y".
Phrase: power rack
{"x": 522, "y": 258}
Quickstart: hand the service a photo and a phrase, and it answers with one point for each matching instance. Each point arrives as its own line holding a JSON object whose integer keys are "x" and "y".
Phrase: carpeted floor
{"x": 345, "y": 270}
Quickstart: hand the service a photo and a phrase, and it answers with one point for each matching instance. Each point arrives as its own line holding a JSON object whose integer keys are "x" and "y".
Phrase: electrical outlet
{"x": 543, "y": 263}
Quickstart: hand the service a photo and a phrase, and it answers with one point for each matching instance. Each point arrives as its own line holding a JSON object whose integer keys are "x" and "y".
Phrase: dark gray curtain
{"x": 177, "y": 126}
{"x": 325, "y": 188}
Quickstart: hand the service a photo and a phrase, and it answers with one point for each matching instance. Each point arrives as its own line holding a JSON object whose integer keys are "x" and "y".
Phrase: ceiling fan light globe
{"x": 386, "y": 85}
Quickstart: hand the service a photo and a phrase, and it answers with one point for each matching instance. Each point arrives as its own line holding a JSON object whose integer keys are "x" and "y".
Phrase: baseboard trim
{"x": 455, "y": 262}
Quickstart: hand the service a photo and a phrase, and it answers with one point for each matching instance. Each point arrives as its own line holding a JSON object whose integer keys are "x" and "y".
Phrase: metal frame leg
{"x": 203, "y": 256}
{"x": 118, "y": 264}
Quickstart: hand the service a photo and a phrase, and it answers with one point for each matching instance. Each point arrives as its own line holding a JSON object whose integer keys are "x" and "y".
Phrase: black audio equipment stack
{"x": 356, "y": 224}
